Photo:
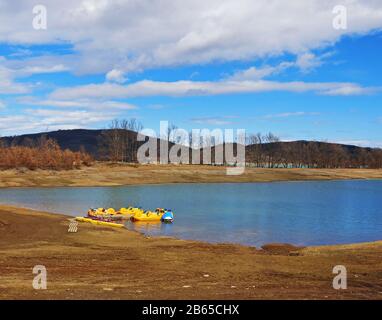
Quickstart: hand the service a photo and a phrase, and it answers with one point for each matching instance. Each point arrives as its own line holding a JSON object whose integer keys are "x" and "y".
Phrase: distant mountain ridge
{"x": 67, "y": 139}
{"x": 276, "y": 152}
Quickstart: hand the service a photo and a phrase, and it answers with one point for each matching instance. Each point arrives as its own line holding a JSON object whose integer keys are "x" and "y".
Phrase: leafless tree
{"x": 119, "y": 142}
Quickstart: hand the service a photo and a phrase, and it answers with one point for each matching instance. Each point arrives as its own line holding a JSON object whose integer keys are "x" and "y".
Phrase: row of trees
{"x": 267, "y": 151}
{"x": 256, "y": 154}
{"x": 41, "y": 154}
{"x": 119, "y": 143}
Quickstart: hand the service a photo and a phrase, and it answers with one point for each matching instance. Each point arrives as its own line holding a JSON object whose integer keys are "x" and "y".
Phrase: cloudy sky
{"x": 265, "y": 65}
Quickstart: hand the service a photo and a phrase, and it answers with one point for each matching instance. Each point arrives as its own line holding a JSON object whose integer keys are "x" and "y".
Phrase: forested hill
{"x": 297, "y": 153}
{"x": 67, "y": 139}
{"x": 313, "y": 154}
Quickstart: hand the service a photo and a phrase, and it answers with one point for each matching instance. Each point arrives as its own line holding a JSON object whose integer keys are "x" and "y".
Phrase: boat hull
{"x": 99, "y": 222}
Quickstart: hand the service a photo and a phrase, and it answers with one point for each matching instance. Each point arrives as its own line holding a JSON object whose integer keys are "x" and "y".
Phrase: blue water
{"x": 302, "y": 213}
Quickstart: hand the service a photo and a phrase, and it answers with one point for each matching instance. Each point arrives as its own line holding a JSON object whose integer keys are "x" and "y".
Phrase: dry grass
{"x": 106, "y": 263}
{"x": 109, "y": 174}
{"x": 44, "y": 154}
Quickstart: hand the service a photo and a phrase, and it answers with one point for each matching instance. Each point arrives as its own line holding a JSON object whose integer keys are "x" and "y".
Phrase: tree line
{"x": 119, "y": 143}
{"x": 269, "y": 152}
{"x": 44, "y": 153}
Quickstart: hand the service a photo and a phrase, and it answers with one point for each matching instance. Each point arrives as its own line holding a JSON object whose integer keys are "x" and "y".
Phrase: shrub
{"x": 47, "y": 154}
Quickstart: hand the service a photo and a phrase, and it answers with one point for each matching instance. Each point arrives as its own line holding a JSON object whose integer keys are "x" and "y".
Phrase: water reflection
{"x": 150, "y": 227}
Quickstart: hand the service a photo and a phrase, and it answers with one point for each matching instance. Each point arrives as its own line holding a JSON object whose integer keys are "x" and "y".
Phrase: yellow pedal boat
{"x": 123, "y": 212}
{"x": 100, "y": 212}
{"x": 99, "y": 222}
{"x": 129, "y": 211}
{"x": 147, "y": 216}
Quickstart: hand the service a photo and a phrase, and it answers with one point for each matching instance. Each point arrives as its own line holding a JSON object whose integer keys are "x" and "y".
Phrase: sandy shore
{"x": 102, "y": 174}
{"x": 100, "y": 262}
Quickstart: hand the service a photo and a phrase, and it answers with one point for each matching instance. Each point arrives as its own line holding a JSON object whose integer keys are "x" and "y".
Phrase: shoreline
{"x": 191, "y": 182}
{"x": 63, "y": 215}
{"x": 111, "y": 174}
{"x": 88, "y": 264}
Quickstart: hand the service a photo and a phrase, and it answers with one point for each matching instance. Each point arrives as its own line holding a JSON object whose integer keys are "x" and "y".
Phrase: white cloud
{"x": 116, "y": 76}
{"x": 38, "y": 120}
{"x": 308, "y": 61}
{"x": 42, "y": 69}
{"x": 10, "y": 70}
{"x": 64, "y": 117}
{"x": 254, "y": 73}
{"x": 117, "y": 37}
{"x": 305, "y": 61}
{"x": 61, "y": 114}
{"x": 350, "y": 90}
{"x": 30, "y": 66}
{"x": 95, "y": 104}
{"x": 139, "y": 34}
{"x": 197, "y": 88}
{"x": 8, "y": 84}
{"x": 290, "y": 114}
{"x": 7, "y": 122}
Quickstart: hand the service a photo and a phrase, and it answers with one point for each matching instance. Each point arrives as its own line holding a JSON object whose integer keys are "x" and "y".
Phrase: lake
{"x": 301, "y": 213}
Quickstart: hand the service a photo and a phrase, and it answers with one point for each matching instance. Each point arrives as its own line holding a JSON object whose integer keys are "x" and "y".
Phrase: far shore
{"x": 116, "y": 174}
{"x": 106, "y": 263}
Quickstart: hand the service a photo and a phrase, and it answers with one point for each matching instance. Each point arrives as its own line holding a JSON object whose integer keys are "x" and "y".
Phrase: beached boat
{"x": 123, "y": 213}
{"x": 100, "y": 222}
{"x": 101, "y": 212}
{"x": 134, "y": 214}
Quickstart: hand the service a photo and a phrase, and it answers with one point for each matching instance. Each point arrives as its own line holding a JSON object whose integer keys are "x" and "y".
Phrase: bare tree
{"x": 133, "y": 127}
{"x": 170, "y": 132}
{"x": 119, "y": 142}
{"x": 254, "y": 142}
{"x": 111, "y": 141}
{"x": 270, "y": 138}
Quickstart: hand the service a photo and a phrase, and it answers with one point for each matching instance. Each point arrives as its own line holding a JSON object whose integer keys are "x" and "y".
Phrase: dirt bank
{"x": 106, "y": 174}
{"x": 99, "y": 262}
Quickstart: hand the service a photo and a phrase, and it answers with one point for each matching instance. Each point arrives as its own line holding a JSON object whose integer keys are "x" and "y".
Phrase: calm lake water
{"x": 303, "y": 213}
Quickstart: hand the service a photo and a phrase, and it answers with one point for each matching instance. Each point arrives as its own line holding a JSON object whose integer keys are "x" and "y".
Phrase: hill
{"x": 73, "y": 140}
{"x": 276, "y": 154}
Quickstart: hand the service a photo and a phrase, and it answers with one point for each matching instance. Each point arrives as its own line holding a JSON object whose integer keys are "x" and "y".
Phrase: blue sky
{"x": 203, "y": 67}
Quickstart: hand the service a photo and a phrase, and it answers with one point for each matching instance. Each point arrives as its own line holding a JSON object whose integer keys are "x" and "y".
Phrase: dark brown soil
{"x": 105, "y": 263}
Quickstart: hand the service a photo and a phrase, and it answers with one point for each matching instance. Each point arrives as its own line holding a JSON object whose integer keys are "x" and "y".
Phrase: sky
{"x": 303, "y": 69}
